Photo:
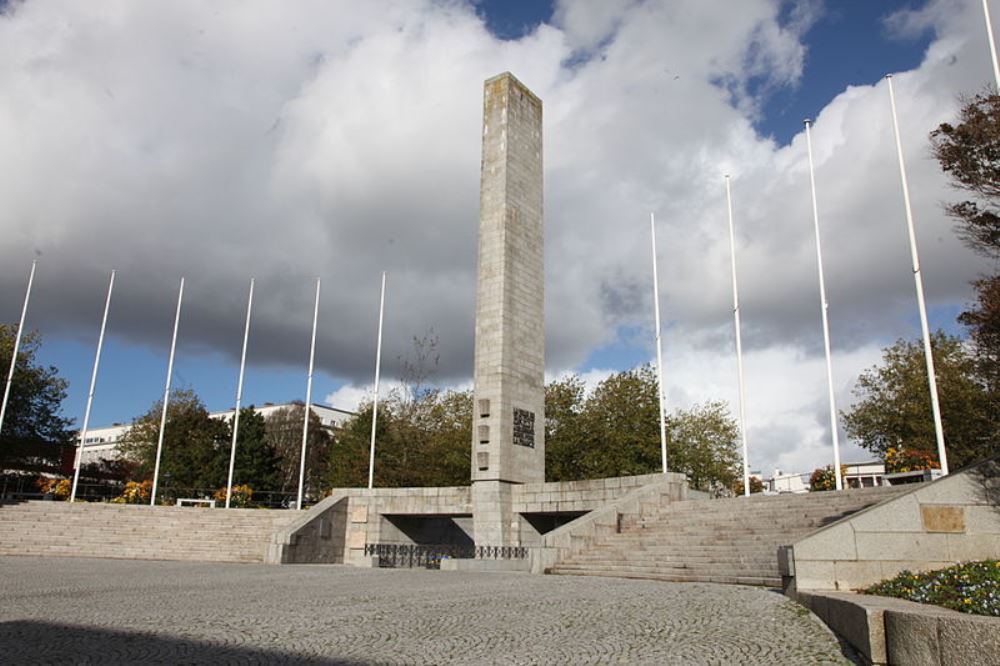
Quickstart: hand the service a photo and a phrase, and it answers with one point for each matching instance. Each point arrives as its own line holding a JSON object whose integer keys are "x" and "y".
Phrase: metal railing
{"x": 429, "y": 556}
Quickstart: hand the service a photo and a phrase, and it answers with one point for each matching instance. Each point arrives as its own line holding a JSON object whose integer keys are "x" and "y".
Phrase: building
{"x": 783, "y": 482}
{"x": 102, "y": 443}
{"x": 864, "y": 474}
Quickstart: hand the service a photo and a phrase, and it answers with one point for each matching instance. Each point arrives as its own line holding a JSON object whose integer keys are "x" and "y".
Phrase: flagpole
{"x": 90, "y": 395}
{"x": 378, "y": 365}
{"x": 239, "y": 398}
{"x": 166, "y": 395}
{"x": 659, "y": 349}
{"x": 739, "y": 343}
{"x": 826, "y": 324}
{"x": 17, "y": 344}
{"x": 918, "y": 281}
{"x": 993, "y": 44}
{"x": 308, "y": 410}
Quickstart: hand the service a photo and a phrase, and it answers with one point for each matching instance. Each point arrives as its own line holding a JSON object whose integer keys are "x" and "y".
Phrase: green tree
{"x": 614, "y": 431}
{"x": 703, "y": 443}
{"x": 257, "y": 464}
{"x": 565, "y": 439}
{"x": 195, "y": 454}
{"x": 893, "y": 409}
{"x": 35, "y": 437}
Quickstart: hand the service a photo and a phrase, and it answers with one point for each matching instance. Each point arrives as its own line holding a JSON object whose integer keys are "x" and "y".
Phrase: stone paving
{"x": 75, "y": 610}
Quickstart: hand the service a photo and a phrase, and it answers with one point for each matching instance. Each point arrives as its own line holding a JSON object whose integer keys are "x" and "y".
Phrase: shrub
{"x": 824, "y": 479}
{"x": 135, "y": 492}
{"x": 240, "y": 496}
{"x": 973, "y": 587}
{"x": 60, "y": 488}
{"x": 909, "y": 460}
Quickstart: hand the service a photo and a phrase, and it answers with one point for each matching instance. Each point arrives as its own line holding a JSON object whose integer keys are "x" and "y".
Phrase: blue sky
{"x": 338, "y": 144}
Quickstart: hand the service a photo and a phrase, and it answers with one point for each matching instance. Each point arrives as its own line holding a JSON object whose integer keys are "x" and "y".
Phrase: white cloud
{"x": 341, "y": 138}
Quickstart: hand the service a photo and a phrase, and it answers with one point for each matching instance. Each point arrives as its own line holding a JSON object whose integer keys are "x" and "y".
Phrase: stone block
{"x": 912, "y": 638}
{"x": 965, "y": 547}
{"x": 902, "y": 516}
{"x": 814, "y": 574}
{"x": 834, "y": 543}
{"x": 359, "y": 513}
{"x": 853, "y": 575}
{"x": 901, "y": 546}
{"x": 969, "y": 639}
{"x": 982, "y": 520}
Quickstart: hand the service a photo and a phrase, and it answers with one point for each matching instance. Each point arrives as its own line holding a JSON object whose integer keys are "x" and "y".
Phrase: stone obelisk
{"x": 508, "y": 435}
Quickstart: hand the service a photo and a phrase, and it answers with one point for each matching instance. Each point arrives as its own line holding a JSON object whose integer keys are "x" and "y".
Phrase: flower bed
{"x": 973, "y": 587}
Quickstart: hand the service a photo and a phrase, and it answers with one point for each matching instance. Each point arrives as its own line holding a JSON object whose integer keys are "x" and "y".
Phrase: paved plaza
{"x": 75, "y": 610}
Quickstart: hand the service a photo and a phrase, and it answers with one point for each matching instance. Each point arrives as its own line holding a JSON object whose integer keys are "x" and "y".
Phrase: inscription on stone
{"x": 524, "y": 428}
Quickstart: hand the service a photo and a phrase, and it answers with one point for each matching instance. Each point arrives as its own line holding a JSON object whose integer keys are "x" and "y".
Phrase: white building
{"x": 103, "y": 442}
{"x": 864, "y": 474}
{"x": 783, "y": 482}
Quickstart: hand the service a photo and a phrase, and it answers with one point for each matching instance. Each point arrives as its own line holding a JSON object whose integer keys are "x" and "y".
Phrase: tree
{"x": 257, "y": 464}
{"x": 894, "y": 408}
{"x": 614, "y": 431}
{"x": 703, "y": 443}
{"x": 969, "y": 153}
{"x": 195, "y": 454}
{"x": 35, "y": 435}
{"x": 284, "y": 435}
{"x": 565, "y": 439}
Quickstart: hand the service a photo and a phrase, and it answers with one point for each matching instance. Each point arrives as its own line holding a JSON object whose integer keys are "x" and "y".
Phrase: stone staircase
{"x": 127, "y": 531}
{"x": 718, "y": 541}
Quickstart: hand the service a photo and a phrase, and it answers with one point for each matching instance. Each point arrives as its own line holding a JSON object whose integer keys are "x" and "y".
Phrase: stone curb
{"x": 885, "y": 630}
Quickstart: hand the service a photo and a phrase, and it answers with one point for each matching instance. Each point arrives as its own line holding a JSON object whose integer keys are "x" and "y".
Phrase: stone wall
{"x": 337, "y": 529}
{"x": 953, "y": 519}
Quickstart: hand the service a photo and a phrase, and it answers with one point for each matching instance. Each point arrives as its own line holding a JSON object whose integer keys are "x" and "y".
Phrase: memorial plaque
{"x": 524, "y": 428}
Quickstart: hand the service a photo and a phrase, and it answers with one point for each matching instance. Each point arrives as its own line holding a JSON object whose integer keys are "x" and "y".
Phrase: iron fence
{"x": 429, "y": 556}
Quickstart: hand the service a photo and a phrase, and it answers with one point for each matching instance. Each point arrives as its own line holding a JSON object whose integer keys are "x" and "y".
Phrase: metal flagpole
{"x": 378, "y": 365}
{"x": 739, "y": 343}
{"x": 993, "y": 44}
{"x": 90, "y": 395}
{"x": 659, "y": 349}
{"x": 826, "y": 324}
{"x": 925, "y": 330}
{"x": 239, "y": 397}
{"x": 17, "y": 344}
{"x": 308, "y": 410}
{"x": 166, "y": 396}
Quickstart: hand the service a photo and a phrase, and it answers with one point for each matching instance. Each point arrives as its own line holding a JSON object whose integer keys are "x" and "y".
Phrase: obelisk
{"x": 508, "y": 435}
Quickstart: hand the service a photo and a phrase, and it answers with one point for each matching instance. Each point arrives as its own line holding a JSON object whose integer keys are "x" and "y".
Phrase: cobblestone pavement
{"x": 68, "y": 610}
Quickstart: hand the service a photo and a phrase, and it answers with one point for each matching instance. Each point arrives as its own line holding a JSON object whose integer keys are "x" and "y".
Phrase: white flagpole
{"x": 826, "y": 324}
{"x": 993, "y": 44}
{"x": 378, "y": 365}
{"x": 308, "y": 410}
{"x": 739, "y": 343}
{"x": 90, "y": 395}
{"x": 914, "y": 256}
{"x": 17, "y": 344}
{"x": 659, "y": 349}
{"x": 239, "y": 398}
{"x": 166, "y": 395}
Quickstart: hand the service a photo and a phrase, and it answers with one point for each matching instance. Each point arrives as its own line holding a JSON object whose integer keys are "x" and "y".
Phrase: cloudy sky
{"x": 290, "y": 141}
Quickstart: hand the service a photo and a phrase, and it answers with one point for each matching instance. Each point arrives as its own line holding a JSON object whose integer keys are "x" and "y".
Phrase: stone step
{"x": 761, "y": 581}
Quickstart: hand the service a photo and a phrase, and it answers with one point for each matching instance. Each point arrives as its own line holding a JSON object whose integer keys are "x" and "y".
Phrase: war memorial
{"x": 490, "y": 536}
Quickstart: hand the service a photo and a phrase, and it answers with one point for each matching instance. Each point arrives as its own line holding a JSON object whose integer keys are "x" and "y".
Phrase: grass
{"x": 973, "y": 587}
